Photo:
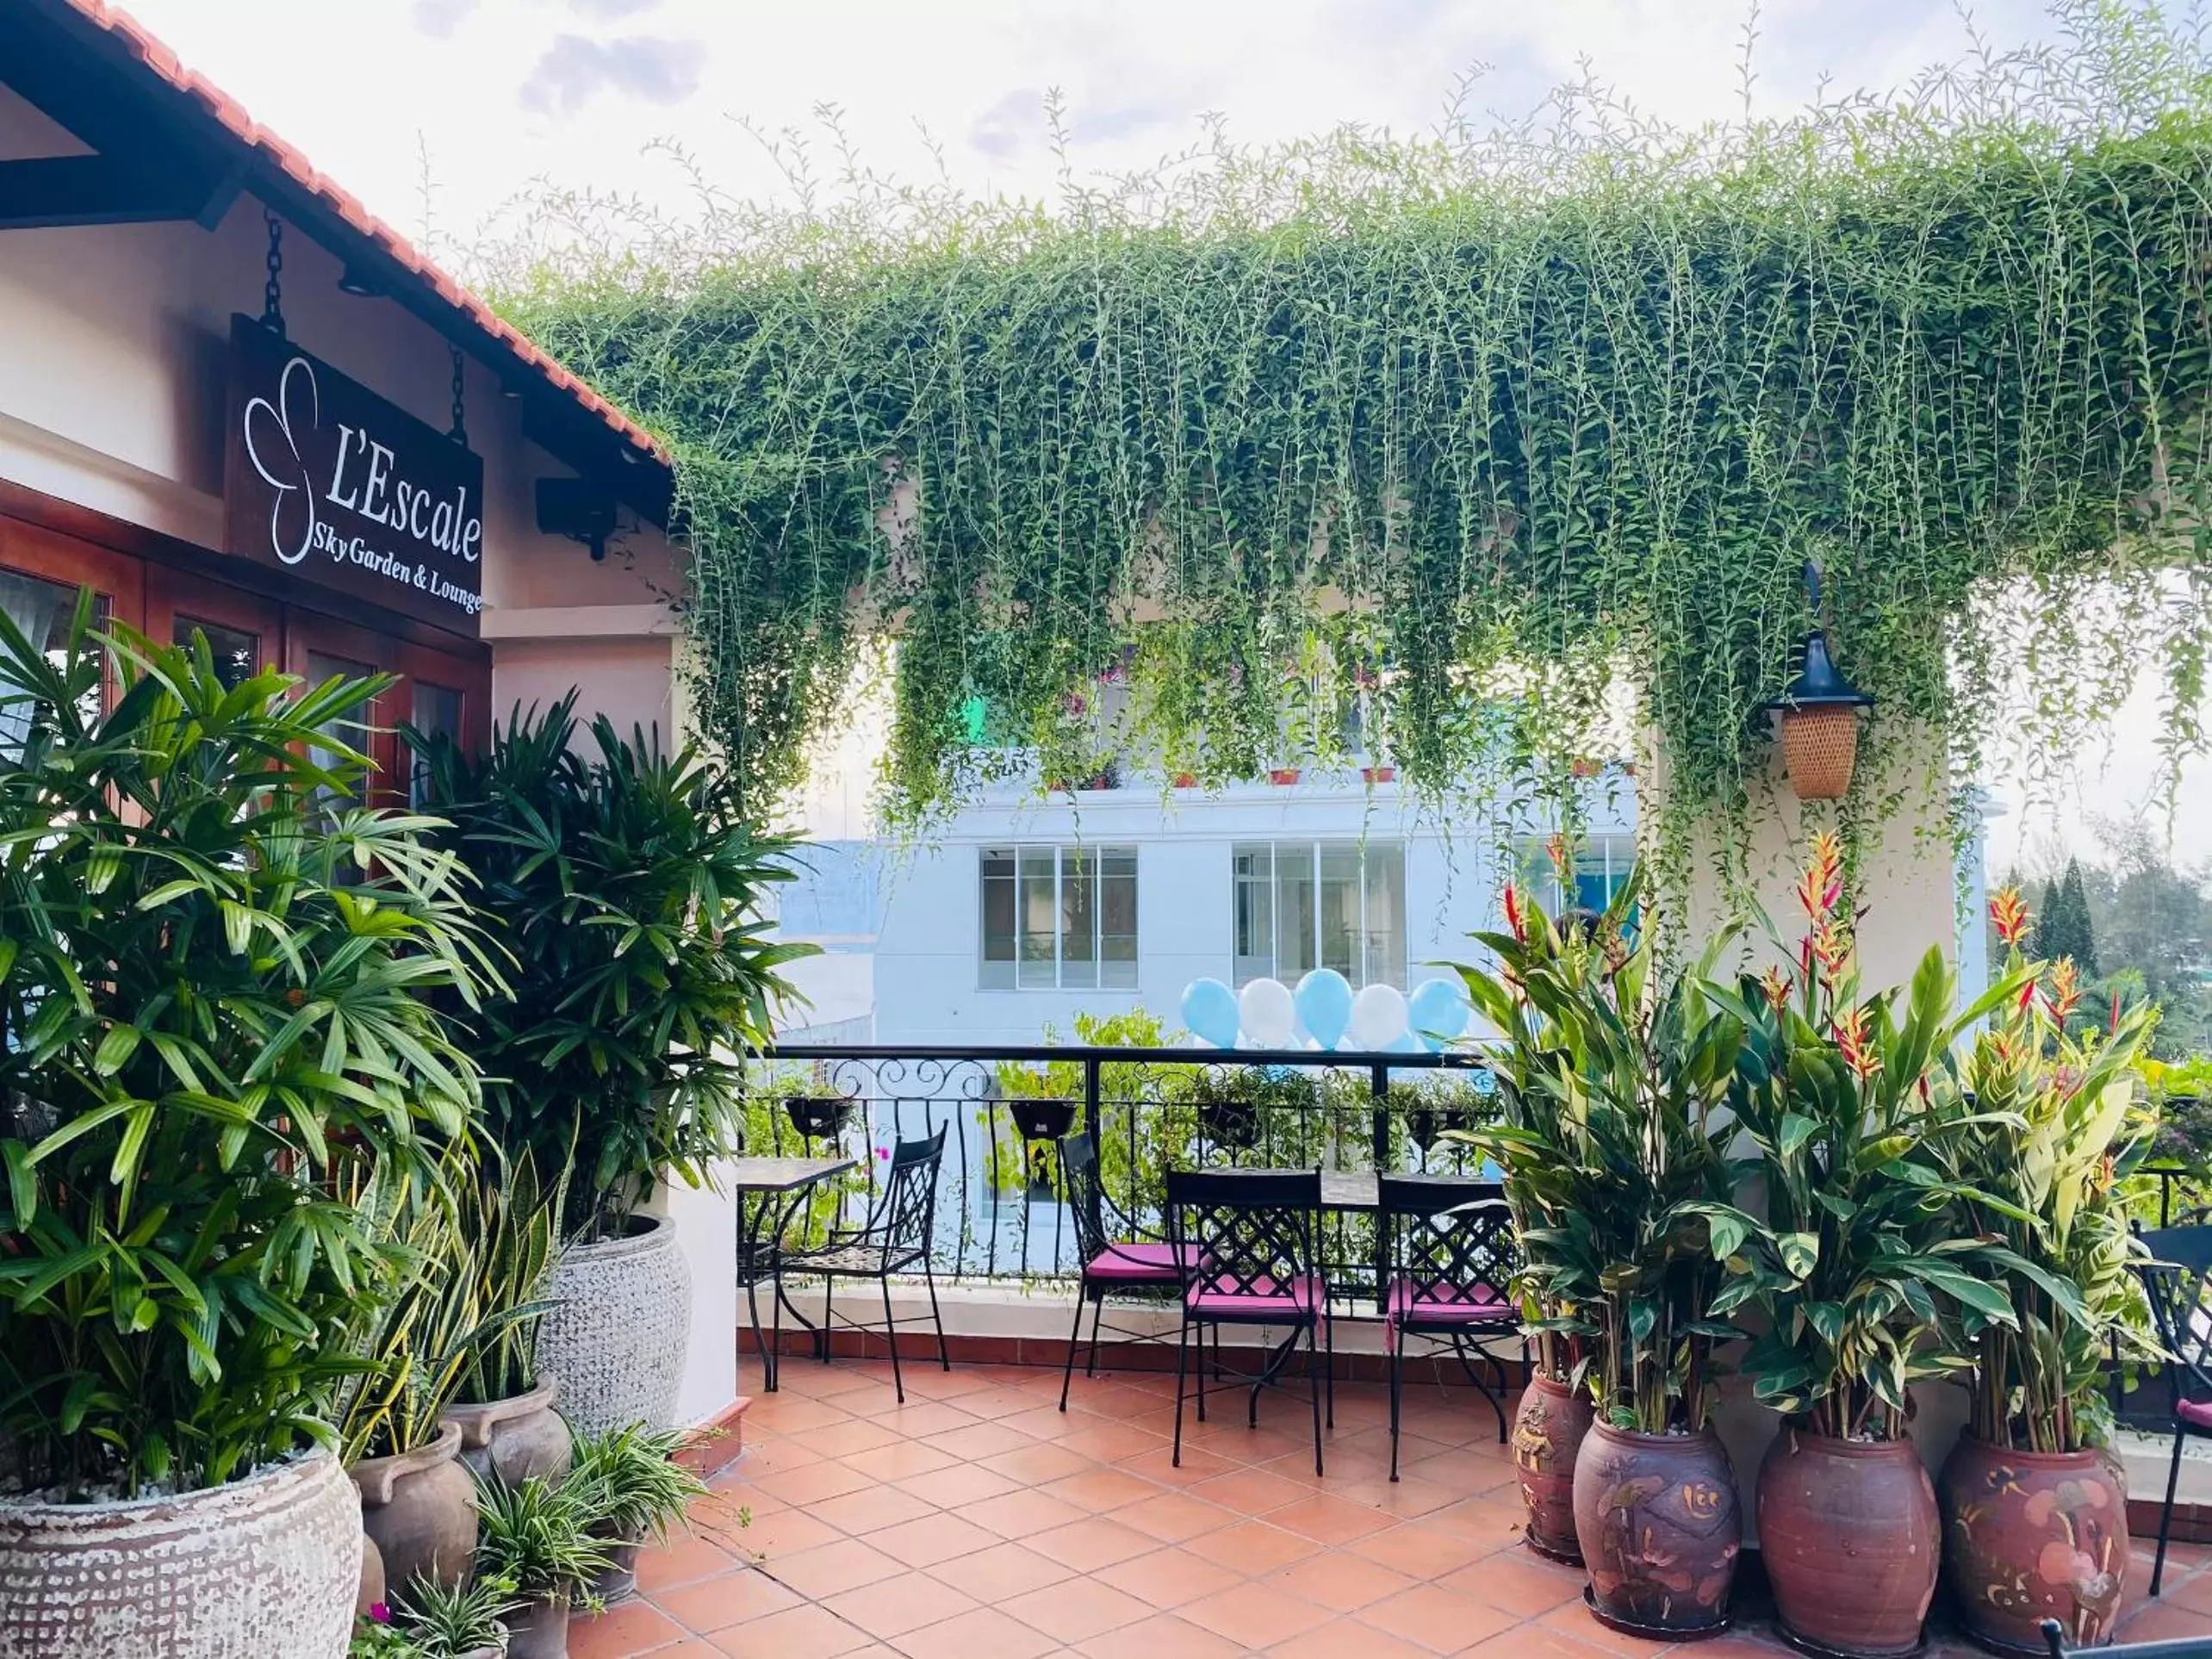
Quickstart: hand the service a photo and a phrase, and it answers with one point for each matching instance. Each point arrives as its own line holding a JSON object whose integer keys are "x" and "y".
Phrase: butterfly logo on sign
{"x": 273, "y": 448}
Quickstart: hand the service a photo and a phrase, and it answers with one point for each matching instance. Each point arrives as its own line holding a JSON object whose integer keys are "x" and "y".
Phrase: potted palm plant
{"x": 212, "y": 1034}
{"x": 1848, "y": 1101}
{"x": 626, "y": 884}
{"x": 1628, "y": 1160}
{"x": 637, "y": 1490}
{"x": 539, "y": 1536}
{"x": 2034, "y": 1511}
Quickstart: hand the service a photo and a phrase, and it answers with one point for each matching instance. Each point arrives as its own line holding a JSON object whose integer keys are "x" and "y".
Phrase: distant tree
{"x": 2064, "y": 928}
{"x": 2152, "y": 918}
{"x": 2050, "y": 923}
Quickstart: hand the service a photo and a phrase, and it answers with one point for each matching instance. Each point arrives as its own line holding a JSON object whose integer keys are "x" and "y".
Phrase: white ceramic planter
{"x": 263, "y": 1566}
{"x": 617, "y": 1332}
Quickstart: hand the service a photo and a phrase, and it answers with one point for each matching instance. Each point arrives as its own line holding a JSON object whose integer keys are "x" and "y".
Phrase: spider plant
{"x": 634, "y": 1483}
{"x": 539, "y": 1536}
{"x": 452, "y": 1621}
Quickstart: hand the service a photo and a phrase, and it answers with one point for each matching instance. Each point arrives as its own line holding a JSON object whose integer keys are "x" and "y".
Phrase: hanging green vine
{"x": 1462, "y": 432}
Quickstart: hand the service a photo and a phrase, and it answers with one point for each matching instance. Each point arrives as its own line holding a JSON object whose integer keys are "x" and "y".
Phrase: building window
{"x": 1059, "y": 918}
{"x": 1306, "y": 905}
{"x": 1599, "y": 868}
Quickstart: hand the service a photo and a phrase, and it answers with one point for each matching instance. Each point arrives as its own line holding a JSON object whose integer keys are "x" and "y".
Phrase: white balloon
{"x": 1269, "y": 1012}
{"x": 1378, "y": 1017}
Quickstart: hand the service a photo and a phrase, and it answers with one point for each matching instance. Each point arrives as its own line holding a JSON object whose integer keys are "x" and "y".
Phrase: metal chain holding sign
{"x": 460, "y": 433}
{"x": 272, "y": 297}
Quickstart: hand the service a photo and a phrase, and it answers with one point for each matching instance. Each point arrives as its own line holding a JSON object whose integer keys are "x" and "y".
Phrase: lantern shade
{"x": 1820, "y": 747}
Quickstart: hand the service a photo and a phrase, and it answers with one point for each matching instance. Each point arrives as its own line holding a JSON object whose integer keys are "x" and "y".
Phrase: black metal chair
{"x": 1451, "y": 1256}
{"x": 2179, "y": 1647}
{"x": 895, "y": 1238}
{"x": 1147, "y": 1268}
{"x": 2177, "y": 1281}
{"x": 1253, "y": 1239}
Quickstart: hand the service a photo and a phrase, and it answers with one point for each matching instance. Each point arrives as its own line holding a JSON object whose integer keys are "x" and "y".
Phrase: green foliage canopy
{"x": 1459, "y": 431}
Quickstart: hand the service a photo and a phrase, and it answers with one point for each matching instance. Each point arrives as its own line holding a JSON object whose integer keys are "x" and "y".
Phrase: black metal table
{"x": 777, "y": 1185}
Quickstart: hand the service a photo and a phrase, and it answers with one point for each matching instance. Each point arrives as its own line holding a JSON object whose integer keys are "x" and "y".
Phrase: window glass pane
{"x": 1339, "y": 908}
{"x": 437, "y": 714}
{"x": 352, "y": 730}
{"x": 237, "y": 653}
{"x": 42, "y": 611}
{"x": 996, "y": 872}
{"x": 1039, "y": 922}
{"x": 1078, "y": 918}
{"x": 1297, "y": 911}
{"x": 1386, "y": 916}
{"x": 1117, "y": 917}
{"x": 1252, "y": 875}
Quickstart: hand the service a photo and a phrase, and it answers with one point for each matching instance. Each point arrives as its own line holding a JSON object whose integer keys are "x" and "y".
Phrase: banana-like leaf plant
{"x": 1851, "y": 1104}
{"x": 1618, "y": 1156}
{"x": 2059, "y": 1127}
{"x": 220, "y": 1071}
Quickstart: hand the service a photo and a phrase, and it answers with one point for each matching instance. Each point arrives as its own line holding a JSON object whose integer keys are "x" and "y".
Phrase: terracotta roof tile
{"x": 227, "y": 110}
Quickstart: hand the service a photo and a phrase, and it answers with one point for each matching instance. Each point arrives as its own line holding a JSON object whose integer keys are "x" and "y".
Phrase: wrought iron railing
{"x": 1001, "y": 1210}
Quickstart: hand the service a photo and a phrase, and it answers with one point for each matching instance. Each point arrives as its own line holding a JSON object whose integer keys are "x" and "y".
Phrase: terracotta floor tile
{"x": 1035, "y": 1462}
{"x": 1020, "y": 1514}
{"x": 1252, "y": 1547}
{"x": 787, "y": 1412}
{"x": 900, "y": 1459}
{"x": 683, "y": 1561}
{"x": 1327, "y": 1519}
{"x": 974, "y": 1442}
{"x": 620, "y": 1631}
{"x": 985, "y": 1633}
{"x": 1155, "y": 1463}
{"x": 1094, "y": 1542}
{"x": 1168, "y": 1578}
{"x": 773, "y": 1537}
{"x": 1342, "y": 1640}
{"x": 1531, "y": 1642}
{"x": 871, "y": 1510}
{"x": 1100, "y": 1491}
{"x": 918, "y": 1420}
{"x": 1170, "y": 1517}
{"x": 1078, "y": 1610}
{"x": 828, "y": 1569}
{"x": 1574, "y": 1622}
{"x": 933, "y": 1538}
{"x": 1436, "y": 1618}
{"x": 891, "y": 1606}
{"x": 957, "y": 1484}
{"x": 1002, "y": 1570}
{"x": 1167, "y": 1636}
{"x": 717, "y": 1603}
{"x": 1417, "y": 1549}
{"x": 1043, "y": 1421}
{"x": 1518, "y": 1583}
{"x": 1256, "y": 1615}
{"x": 1109, "y": 1442}
{"x": 803, "y": 1633}
{"x": 1249, "y": 1491}
{"x": 854, "y": 1434}
{"x": 1343, "y": 1583}
{"x": 814, "y": 1483}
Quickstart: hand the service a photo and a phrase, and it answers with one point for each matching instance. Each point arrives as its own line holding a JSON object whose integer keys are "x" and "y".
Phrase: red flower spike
{"x": 1514, "y": 919}
{"x": 1854, "y": 1043}
{"x": 2066, "y": 992}
{"x": 2008, "y": 911}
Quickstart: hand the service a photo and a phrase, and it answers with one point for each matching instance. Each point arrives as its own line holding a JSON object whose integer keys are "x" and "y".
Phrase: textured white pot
{"x": 617, "y": 1335}
{"x": 265, "y": 1566}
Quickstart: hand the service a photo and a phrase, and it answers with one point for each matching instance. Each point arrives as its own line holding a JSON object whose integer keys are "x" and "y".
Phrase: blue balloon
{"x": 1324, "y": 1001}
{"x": 1209, "y": 1011}
{"x": 1437, "y": 1011}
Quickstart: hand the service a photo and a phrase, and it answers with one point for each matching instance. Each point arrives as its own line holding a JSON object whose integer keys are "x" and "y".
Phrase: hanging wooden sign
{"x": 328, "y": 481}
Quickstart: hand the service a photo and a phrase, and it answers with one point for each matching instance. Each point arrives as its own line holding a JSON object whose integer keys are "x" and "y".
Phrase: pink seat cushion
{"x": 1137, "y": 1263}
{"x": 2195, "y": 1412}
{"x": 1446, "y": 1304}
{"x": 1298, "y": 1298}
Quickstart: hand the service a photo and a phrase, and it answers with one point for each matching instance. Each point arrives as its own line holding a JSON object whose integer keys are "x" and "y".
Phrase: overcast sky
{"x": 481, "y": 96}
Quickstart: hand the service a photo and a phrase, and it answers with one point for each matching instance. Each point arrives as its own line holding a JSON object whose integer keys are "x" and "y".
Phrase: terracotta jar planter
{"x": 2034, "y": 1535}
{"x": 372, "y": 1577}
{"x": 515, "y": 1439}
{"x": 540, "y": 1630}
{"x": 268, "y": 1564}
{"x": 1657, "y": 1520}
{"x": 620, "y": 1323}
{"x": 1851, "y": 1540}
{"x": 420, "y": 1509}
{"x": 1547, "y": 1430}
{"x": 619, "y": 1581}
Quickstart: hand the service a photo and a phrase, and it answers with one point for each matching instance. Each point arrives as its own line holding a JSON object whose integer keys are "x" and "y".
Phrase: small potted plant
{"x": 1846, "y": 1100}
{"x": 626, "y": 882}
{"x": 504, "y": 1406}
{"x": 539, "y": 1536}
{"x": 637, "y": 1489}
{"x": 2034, "y": 1511}
{"x": 432, "y": 1620}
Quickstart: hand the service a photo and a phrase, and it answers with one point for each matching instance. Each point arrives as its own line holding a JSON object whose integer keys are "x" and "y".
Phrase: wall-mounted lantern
{"x": 1818, "y": 715}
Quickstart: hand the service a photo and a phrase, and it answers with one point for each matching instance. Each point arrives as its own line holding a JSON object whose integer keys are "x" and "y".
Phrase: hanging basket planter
{"x": 1041, "y": 1120}
{"x": 818, "y": 1117}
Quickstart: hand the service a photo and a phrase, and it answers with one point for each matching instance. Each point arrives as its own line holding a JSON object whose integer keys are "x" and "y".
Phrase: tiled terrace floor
{"x": 976, "y": 1522}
